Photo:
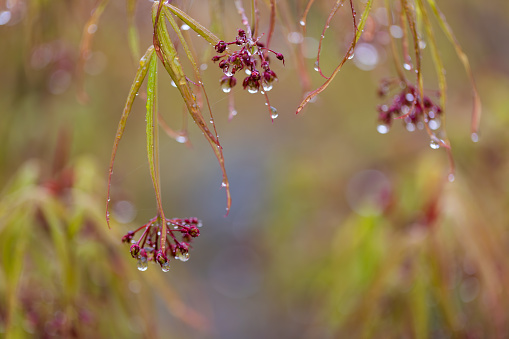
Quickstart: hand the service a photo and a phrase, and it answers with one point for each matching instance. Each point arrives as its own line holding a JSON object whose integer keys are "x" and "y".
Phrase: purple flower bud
{"x": 193, "y": 231}
{"x": 280, "y": 56}
{"x": 135, "y": 250}
{"x": 220, "y": 47}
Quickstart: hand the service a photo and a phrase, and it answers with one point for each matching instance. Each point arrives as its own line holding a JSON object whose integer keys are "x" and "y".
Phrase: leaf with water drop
{"x": 135, "y": 87}
{"x": 167, "y": 53}
{"x": 193, "y": 24}
{"x": 476, "y": 111}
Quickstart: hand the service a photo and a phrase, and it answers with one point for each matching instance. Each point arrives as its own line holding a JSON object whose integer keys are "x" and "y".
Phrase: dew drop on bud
{"x": 475, "y": 137}
{"x": 183, "y": 256}
{"x": 252, "y": 90}
{"x": 382, "y": 129}
{"x": 407, "y": 66}
{"x": 165, "y": 267}
{"x": 433, "y": 144}
{"x": 226, "y": 87}
{"x": 267, "y": 86}
{"x": 451, "y": 177}
{"x": 142, "y": 264}
{"x": 317, "y": 68}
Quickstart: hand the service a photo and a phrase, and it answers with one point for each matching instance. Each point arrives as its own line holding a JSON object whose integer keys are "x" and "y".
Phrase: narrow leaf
{"x": 168, "y": 55}
{"x": 358, "y": 33}
{"x": 476, "y": 112}
{"x": 195, "y": 25}
{"x": 151, "y": 130}
{"x": 138, "y": 79}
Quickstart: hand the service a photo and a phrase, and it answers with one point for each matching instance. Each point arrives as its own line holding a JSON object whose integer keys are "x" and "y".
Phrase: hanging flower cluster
{"x": 149, "y": 246}
{"x": 251, "y": 52}
{"x": 408, "y": 106}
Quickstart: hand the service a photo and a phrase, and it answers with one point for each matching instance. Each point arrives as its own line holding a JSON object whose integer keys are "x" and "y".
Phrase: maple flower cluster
{"x": 250, "y": 54}
{"x": 149, "y": 247}
{"x": 407, "y": 106}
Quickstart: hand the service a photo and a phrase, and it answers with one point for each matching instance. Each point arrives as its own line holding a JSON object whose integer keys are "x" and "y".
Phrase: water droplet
{"x": 433, "y": 144}
{"x": 451, "y": 177}
{"x": 5, "y": 17}
{"x": 173, "y": 84}
{"x": 302, "y": 23}
{"x": 274, "y": 114}
{"x": 228, "y": 72}
{"x": 382, "y": 128}
{"x": 474, "y": 137}
{"x": 92, "y": 29}
{"x": 233, "y": 113}
{"x": 351, "y": 55}
{"x": 142, "y": 264}
{"x": 158, "y": 233}
{"x": 384, "y": 108}
{"x": 185, "y": 27}
{"x": 405, "y": 109}
{"x": 248, "y": 71}
{"x": 211, "y": 121}
{"x": 165, "y": 267}
{"x": 226, "y": 87}
{"x": 422, "y": 44}
{"x": 183, "y": 256}
{"x": 317, "y": 67}
{"x": 407, "y": 66}
{"x": 267, "y": 86}
{"x": 223, "y": 184}
{"x": 434, "y": 124}
{"x": 252, "y": 90}
{"x": 409, "y": 97}
{"x": 420, "y": 125}
{"x": 410, "y": 127}
{"x": 181, "y": 139}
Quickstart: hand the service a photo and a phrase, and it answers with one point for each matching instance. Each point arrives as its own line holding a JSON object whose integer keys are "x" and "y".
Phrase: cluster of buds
{"x": 151, "y": 247}
{"x": 408, "y": 106}
{"x": 251, "y": 52}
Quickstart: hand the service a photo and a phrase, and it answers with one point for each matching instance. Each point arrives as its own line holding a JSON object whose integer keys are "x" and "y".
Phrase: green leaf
{"x": 135, "y": 87}
{"x": 151, "y": 130}
{"x": 195, "y": 25}
{"x": 167, "y": 53}
{"x": 476, "y": 111}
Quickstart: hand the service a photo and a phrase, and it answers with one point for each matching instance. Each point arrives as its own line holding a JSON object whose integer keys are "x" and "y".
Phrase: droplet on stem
{"x": 433, "y": 144}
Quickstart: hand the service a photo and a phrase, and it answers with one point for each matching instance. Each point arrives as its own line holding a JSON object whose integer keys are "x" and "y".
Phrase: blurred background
{"x": 335, "y": 230}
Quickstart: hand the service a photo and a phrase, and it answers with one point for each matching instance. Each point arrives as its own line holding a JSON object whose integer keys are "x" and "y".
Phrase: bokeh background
{"x": 335, "y": 231}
